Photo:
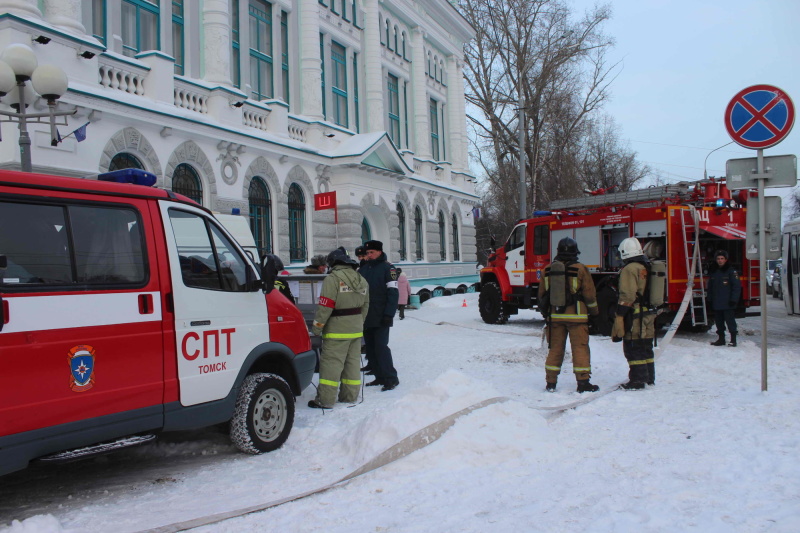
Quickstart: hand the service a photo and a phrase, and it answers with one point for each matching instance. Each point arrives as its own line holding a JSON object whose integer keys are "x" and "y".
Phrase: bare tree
{"x": 605, "y": 163}
{"x": 537, "y": 50}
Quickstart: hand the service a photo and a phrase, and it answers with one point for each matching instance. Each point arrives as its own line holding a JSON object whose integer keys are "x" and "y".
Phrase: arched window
{"x": 261, "y": 215}
{"x": 124, "y": 160}
{"x": 396, "y": 47}
{"x": 297, "y": 224}
{"x": 401, "y": 215}
{"x": 418, "y": 231}
{"x": 366, "y": 234}
{"x": 185, "y": 181}
{"x": 388, "y": 35}
{"x": 456, "y": 253}
{"x": 442, "y": 249}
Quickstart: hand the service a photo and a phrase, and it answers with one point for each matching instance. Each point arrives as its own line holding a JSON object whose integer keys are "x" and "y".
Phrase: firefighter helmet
{"x": 567, "y": 246}
{"x": 630, "y": 248}
{"x": 338, "y": 257}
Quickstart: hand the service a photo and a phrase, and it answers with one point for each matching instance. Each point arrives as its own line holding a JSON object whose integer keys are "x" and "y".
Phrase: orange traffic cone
{"x": 465, "y": 303}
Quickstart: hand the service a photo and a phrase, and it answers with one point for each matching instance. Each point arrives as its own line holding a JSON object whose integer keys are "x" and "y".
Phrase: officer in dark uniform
{"x": 724, "y": 290}
{"x": 383, "y": 297}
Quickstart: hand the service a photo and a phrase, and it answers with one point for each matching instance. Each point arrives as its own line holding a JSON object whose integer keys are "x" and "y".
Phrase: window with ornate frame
{"x": 124, "y": 160}
{"x": 261, "y": 81}
{"x": 186, "y": 181}
{"x": 140, "y": 26}
{"x": 401, "y": 216}
{"x": 297, "y": 224}
{"x": 339, "y": 83}
{"x": 434, "y": 125}
{"x": 418, "y": 232}
{"x": 260, "y": 215}
{"x": 394, "y": 109}
{"x": 456, "y": 252}
{"x": 442, "y": 243}
{"x": 177, "y": 36}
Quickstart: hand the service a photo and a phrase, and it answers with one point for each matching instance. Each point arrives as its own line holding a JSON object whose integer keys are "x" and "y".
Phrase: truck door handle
{"x": 3, "y": 312}
{"x": 145, "y": 304}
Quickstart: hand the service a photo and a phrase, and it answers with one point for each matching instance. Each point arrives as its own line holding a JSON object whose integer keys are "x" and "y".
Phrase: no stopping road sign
{"x": 759, "y": 116}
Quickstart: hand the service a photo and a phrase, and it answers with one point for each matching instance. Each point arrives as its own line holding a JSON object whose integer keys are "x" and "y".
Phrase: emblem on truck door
{"x": 81, "y": 365}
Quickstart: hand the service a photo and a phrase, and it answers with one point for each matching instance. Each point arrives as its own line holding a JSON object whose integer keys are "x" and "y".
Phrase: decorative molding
{"x": 131, "y": 140}
{"x": 323, "y": 178}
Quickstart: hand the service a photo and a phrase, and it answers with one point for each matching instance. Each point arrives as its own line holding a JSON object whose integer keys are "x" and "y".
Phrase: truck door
{"x": 515, "y": 256}
{"x": 82, "y": 333}
{"x": 219, "y": 316}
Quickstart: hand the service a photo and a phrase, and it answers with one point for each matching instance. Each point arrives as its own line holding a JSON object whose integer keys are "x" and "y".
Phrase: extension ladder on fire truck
{"x": 690, "y": 222}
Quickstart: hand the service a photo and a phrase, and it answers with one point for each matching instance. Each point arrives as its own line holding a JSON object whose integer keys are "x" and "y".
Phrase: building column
{"x": 455, "y": 117}
{"x": 373, "y": 74}
{"x": 422, "y": 128}
{"x": 310, "y": 65}
{"x": 22, "y": 8}
{"x": 217, "y": 42}
{"x": 65, "y": 14}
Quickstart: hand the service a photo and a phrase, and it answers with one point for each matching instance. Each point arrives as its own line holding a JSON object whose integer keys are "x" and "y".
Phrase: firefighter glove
{"x": 387, "y": 321}
{"x": 618, "y": 331}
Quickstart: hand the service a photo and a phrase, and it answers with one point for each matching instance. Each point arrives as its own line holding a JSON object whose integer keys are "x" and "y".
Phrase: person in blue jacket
{"x": 724, "y": 289}
{"x": 383, "y": 295}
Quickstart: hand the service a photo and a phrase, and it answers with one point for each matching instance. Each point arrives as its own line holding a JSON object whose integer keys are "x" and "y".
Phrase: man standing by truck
{"x": 343, "y": 305}
{"x": 724, "y": 290}
{"x": 566, "y": 299}
{"x": 634, "y": 323}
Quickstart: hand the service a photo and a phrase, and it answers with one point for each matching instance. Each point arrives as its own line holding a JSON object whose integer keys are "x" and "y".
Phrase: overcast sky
{"x": 682, "y": 61}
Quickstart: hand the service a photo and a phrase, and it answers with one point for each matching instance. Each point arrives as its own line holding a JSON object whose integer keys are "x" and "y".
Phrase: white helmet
{"x": 629, "y": 248}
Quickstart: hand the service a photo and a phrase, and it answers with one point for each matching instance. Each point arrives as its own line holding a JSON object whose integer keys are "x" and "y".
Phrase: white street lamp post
{"x": 18, "y": 66}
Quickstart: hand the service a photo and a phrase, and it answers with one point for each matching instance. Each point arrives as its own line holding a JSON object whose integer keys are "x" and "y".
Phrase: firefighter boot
{"x": 720, "y": 341}
{"x": 651, "y": 373}
{"x": 585, "y": 386}
{"x": 551, "y": 387}
{"x": 733, "y": 340}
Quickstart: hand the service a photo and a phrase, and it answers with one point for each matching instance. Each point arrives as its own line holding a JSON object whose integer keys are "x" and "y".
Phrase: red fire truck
{"x": 682, "y": 224}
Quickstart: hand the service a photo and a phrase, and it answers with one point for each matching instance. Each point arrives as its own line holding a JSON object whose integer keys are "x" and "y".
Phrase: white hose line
{"x": 412, "y": 443}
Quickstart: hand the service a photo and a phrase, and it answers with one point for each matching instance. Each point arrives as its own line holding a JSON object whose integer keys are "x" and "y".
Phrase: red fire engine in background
{"x": 682, "y": 224}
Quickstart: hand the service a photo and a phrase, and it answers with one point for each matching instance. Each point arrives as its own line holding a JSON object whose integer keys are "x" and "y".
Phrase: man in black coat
{"x": 383, "y": 296}
{"x": 724, "y": 289}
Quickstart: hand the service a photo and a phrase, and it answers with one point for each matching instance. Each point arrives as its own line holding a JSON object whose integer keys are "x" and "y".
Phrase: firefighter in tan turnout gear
{"x": 343, "y": 305}
{"x": 634, "y": 323}
{"x": 566, "y": 299}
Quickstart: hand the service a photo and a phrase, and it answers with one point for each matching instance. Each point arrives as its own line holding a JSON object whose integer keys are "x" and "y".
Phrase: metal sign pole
{"x": 762, "y": 252}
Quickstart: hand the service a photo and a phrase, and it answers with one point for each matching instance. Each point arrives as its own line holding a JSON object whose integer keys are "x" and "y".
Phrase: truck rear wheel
{"x": 490, "y": 303}
{"x": 264, "y": 414}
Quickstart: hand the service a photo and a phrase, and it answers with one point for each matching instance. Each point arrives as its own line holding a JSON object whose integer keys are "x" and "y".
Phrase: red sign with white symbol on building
{"x": 326, "y": 200}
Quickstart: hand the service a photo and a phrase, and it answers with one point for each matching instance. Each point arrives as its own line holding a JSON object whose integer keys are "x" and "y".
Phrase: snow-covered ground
{"x": 705, "y": 450}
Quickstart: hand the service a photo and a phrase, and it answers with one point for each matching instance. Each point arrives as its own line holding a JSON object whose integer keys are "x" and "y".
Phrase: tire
{"x": 264, "y": 414}
{"x": 490, "y": 303}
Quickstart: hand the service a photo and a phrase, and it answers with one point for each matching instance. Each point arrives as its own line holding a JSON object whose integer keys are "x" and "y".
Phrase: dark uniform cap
{"x": 373, "y": 245}
{"x": 722, "y": 253}
{"x": 360, "y": 250}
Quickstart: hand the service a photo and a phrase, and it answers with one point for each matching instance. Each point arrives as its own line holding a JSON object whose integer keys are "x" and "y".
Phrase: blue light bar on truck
{"x": 136, "y": 176}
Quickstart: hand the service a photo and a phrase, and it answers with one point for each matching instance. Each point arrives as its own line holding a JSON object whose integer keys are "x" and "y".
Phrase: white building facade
{"x": 258, "y": 106}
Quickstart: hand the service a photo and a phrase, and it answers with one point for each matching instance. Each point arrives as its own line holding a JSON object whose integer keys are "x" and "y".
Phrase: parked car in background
{"x": 772, "y": 264}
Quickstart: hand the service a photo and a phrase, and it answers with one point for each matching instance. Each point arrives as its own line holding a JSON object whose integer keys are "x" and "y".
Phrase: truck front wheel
{"x": 264, "y": 414}
{"x": 490, "y": 303}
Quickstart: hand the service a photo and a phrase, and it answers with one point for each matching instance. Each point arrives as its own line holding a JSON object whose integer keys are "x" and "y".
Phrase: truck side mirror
{"x": 253, "y": 283}
{"x": 269, "y": 273}
{"x": 3, "y": 262}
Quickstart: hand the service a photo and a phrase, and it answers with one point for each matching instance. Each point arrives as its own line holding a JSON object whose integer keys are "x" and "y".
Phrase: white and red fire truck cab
{"x": 128, "y": 310}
